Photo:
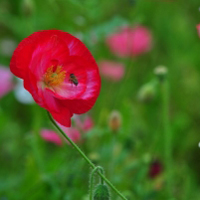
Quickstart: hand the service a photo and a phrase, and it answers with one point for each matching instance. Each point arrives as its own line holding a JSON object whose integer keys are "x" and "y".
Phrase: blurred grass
{"x": 33, "y": 169}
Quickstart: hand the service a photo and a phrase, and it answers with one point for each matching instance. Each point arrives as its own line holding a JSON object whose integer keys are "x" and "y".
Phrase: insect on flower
{"x": 51, "y": 62}
{"x": 73, "y": 79}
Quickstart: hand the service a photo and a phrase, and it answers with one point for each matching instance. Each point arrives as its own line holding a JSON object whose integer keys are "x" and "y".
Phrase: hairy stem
{"x": 85, "y": 157}
{"x": 92, "y": 179}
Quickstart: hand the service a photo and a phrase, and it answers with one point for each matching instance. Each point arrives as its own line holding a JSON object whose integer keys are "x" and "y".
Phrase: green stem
{"x": 167, "y": 134}
{"x": 85, "y": 157}
{"x": 92, "y": 179}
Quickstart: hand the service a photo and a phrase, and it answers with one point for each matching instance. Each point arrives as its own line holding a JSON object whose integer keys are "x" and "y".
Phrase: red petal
{"x": 23, "y": 53}
{"x": 79, "y": 106}
{"x": 64, "y": 117}
{"x": 21, "y": 57}
{"x": 68, "y": 90}
{"x": 87, "y": 74}
{"x": 88, "y": 78}
{"x": 30, "y": 84}
{"x": 48, "y": 51}
{"x": 76, "y": 47}
{"x": 51, "y": 103}
{"x": 43, "y": 97}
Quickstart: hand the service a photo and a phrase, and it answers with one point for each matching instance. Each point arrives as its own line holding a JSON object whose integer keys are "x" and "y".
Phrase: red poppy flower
{"x": 59, "y": 72}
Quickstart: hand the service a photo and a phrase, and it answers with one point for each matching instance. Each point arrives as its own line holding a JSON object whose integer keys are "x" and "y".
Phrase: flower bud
{"x": 161, "y": 72}
{"x": 27, "y": 7}
{"x": 146, "y": 93}
{"x": 115, "y": 120}
{"x": 101, "y": 192}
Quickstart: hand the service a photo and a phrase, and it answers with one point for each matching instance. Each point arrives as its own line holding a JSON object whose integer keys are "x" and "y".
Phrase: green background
{"x": 31, "y": 168}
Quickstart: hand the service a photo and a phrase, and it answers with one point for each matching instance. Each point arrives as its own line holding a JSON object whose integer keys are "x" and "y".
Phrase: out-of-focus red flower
{"x": 113, "y": 71}
{"x": 155, "y": 169}
{"x": 87, "y": 123}
{"x": 59, "y": 72}
{"x": 72, "y": 133}
{"x": 84, "y": 125}
{"x": 198, "y": 29}
{"x": 6, "y": 83}
{"x": 130, "y": 41}
{"x": 51, "y": 136}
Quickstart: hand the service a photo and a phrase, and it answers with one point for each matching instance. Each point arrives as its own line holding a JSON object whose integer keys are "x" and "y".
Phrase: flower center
{"x": 54, "y": 76}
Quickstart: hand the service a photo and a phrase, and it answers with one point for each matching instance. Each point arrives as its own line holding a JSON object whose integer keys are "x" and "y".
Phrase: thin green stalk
{"x": 85, "y": 157}
{"x": 92, "y": 179}
{"x": 167, "y": 134}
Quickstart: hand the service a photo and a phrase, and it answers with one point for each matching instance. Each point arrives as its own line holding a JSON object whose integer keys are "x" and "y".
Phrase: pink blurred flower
{"x": 198, "y": 29}
{"x": 111, "y": 70}
{"x": 51, "y": 136}
{"x": 6, "y": 83}
{"x": 85, "y": 125}
{"x": 130, "y": 41}
{"x": 72, "y": 133}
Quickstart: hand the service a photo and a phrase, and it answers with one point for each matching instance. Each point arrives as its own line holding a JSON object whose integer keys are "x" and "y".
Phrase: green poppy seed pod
{"x": 147, "y": 93}
{"x": 115, "y": 120}
{"x": 101, "y": 192}
{"x": 161, "y": 72}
